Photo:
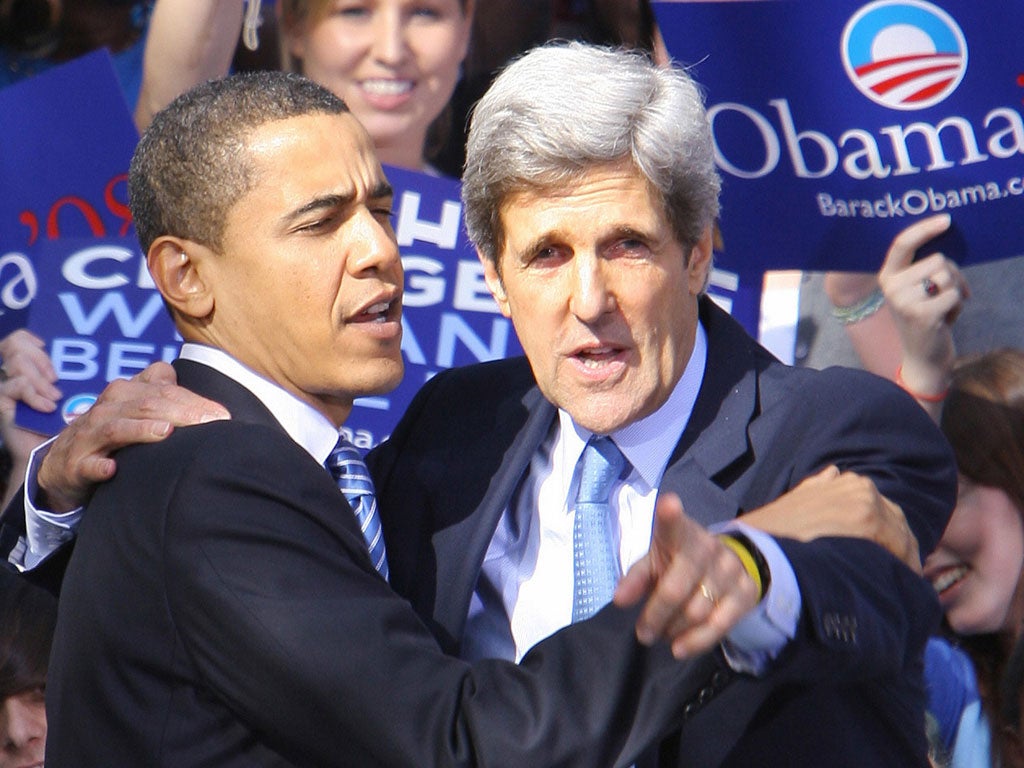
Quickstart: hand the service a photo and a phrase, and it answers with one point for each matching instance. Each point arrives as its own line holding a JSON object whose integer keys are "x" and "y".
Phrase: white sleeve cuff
{"x": 45, "y": 531}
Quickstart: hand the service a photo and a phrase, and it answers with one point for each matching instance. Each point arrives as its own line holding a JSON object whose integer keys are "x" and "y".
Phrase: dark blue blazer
{"x": 848, "y": 691}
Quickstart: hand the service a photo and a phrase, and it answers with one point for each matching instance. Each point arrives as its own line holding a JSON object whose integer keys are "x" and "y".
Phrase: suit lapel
{"x": 715, "y": 446}
{"x": 461, "y": 548}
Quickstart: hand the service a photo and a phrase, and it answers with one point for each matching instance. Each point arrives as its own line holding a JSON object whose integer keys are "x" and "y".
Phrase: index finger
{"x": 669, "y": 527}
{"x": 901, "y": 252}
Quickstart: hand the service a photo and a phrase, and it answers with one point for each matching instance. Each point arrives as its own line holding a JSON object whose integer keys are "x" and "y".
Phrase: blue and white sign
{"x": 449, "y": 317}
{"x": 102, "y": 319}
{"x": 839, "y": 123}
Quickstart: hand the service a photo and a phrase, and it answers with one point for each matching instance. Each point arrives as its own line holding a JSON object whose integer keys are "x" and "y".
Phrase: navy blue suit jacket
{"x": 848, "y": 691}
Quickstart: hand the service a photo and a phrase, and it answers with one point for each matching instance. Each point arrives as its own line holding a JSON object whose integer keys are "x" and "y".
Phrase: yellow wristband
{"x": 749, "y": 564}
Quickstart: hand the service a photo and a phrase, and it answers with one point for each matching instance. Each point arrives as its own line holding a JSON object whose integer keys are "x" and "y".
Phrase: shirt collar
{"x": 303, "y": 423}
{"x": 649, "y": 442}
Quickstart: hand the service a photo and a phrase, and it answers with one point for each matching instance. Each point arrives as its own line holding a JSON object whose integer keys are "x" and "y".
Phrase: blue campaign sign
{"x": 839, "y": 123}
{"x": 67, "y": 141}
{"x": 102, "y": 319}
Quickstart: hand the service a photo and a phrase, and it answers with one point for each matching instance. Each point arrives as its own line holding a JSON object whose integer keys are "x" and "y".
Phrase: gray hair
{"x": 561, "y": 109}
{"x": 192, "y": 165}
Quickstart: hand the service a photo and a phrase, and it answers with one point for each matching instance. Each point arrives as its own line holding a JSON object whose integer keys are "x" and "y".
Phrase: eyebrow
{"x": 382, "y": 189}
{"x": 626, "y": 232}
{"x": 339, "y": 200}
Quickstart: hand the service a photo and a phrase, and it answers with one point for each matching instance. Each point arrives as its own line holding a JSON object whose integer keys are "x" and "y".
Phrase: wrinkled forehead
{"x": 303, "y": 164}
{"x": 598, "y": 188}
{"x": 561, "y": 181}
{"x": 311, "y": 150}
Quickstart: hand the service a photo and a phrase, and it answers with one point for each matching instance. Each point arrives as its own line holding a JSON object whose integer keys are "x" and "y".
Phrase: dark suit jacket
{"x": 849, "y": 690}
{"x": 220, "y": 609}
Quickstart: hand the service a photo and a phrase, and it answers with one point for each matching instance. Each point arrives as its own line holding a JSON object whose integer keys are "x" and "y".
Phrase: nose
{"x": 389, "y": 41}
{"x": 591, "y": 295}
{"x": 24, "y": 727}
{"x": 375, "y": 249}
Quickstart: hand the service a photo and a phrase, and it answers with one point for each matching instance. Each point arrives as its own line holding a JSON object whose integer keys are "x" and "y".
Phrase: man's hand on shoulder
{"x": 143, "y": 409}
{"x": 834, "y": 503}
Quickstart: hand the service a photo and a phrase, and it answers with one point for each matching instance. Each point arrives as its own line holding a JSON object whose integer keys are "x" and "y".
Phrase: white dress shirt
{"x": 525, "y": 590}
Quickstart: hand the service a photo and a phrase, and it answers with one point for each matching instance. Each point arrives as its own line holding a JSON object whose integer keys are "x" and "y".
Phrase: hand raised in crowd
{"x": 143, "y": 409}
{"x": 28, "y": 376}
{"x": 925, "y": 298}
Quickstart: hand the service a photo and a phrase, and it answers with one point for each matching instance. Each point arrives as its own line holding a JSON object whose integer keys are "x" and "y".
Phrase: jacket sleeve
{"x": 866, "y": 614}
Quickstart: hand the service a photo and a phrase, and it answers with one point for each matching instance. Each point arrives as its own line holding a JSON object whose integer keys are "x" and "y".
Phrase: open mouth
{"x": 596, "y": 357}
{"x": 376, "y": 313}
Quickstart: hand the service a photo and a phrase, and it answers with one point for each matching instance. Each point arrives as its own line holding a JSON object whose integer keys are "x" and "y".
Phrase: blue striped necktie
{"x": 594, "y": 550}
{"x": 349, "y": 471}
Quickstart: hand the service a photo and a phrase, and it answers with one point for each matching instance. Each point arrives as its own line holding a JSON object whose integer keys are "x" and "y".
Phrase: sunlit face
{"x": 394, "y": 62}
{"x": 307, "y": 290}
{"x": 22, "y": 730}
{"x": 976, "y": 567}
{"x": 601, "y": 295}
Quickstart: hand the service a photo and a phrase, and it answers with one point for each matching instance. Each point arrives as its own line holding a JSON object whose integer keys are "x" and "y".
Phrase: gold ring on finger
{"x": 707, "y": 593}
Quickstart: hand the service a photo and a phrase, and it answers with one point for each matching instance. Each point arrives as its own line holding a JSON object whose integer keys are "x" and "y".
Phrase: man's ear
{"x": 698, "y": 268}
{"x": 494, "y": 284}
{"x": 177, "y": 267}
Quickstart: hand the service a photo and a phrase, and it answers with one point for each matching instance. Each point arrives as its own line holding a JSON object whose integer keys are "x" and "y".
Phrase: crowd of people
{"x": 647, "y": 542}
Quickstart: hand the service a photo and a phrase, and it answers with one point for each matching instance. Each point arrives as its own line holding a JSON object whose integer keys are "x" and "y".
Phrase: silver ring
{"x": 931, "y": 288}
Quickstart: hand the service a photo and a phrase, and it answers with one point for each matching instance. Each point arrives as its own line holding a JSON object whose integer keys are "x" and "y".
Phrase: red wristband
{"x": 938, "y": 397}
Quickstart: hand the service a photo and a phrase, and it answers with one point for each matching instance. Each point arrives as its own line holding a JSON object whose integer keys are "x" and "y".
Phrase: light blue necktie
{"x": 349, "y": 470}
{"x": 595, "y": 556}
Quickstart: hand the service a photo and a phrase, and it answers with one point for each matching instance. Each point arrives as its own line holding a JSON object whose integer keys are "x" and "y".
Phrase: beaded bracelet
{"x": 938, "y": 397}
{"x": 753, "y": 561}
{"x": 861, "y": 310}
